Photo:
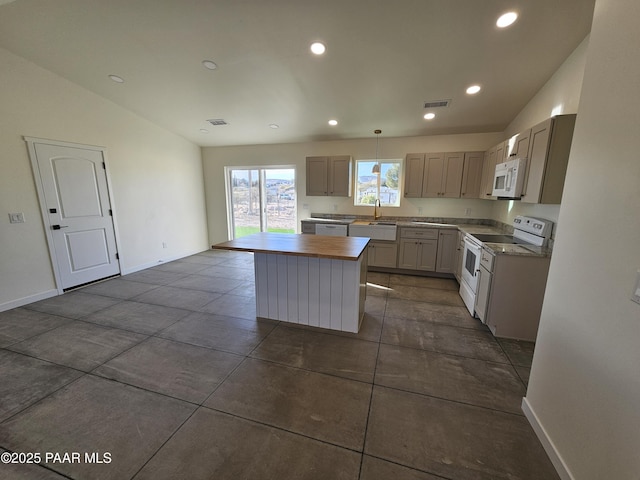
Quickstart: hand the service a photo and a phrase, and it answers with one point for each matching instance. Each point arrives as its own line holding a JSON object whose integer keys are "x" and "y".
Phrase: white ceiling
{"x": 383, "y": 60}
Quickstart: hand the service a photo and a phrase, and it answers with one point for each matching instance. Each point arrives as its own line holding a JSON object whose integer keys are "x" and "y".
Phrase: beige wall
{"x": 216, "y": 158}
{"x": 157, "y": 179}
{"x": 585, "y": 380}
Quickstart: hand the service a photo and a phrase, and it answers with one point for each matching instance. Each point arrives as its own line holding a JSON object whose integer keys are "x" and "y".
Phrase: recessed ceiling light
{"x": 333, "y": 123}
{"x": 274, "y": 125}
{"x": 318, "y": 48}
{"x": 473, "y": 89}
{"x": 429, "y": 116}
{"x": 209, "y": 64}
{"x": 116, "y": 78}
{"x": 506, "y": 19}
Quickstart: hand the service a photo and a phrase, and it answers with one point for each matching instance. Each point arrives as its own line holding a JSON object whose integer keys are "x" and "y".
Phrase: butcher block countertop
{"x": 318, "y": 246}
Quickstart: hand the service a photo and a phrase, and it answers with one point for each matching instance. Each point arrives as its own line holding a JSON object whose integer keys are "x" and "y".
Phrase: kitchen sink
{"x": 374, "y": 230}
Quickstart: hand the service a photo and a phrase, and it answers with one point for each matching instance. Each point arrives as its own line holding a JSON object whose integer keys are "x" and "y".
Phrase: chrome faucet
{"x": 376, "y": 205}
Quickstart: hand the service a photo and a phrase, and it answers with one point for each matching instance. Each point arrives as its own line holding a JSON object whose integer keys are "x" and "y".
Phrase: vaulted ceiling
{"x": 384, "y": 59}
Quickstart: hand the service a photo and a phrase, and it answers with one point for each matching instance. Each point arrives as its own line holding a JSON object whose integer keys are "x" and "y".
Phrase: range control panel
{"x": 537, "y": 226}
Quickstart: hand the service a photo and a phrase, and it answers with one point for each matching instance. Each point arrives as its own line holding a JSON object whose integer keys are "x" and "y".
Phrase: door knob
{"x": 58, "y": 227}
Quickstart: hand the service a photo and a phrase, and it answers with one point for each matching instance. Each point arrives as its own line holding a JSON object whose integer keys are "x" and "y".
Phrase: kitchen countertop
{"x": 317, "y": 246}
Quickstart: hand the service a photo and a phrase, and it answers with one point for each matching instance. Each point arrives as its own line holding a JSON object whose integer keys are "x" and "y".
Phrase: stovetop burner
{"x": 494, "y": 238}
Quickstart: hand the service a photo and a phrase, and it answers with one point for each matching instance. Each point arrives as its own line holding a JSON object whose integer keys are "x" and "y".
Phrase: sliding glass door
{"x": 261, "y": 199}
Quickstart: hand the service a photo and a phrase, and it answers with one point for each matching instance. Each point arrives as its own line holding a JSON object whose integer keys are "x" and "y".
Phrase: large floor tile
{"x": 297, "y": 400}
{"x": 26, "y": 380}
{"x": 370, "y": 328}
{"x": 232, "y": 305}
{"x": 454, "y": 440}
{"x": 430, "y": 295}
{"x": 432, "y": 312}
{"x": 207, "y": 284}
{"x": 468, "y": 380}
{"x": 73, "y": 305}
{"x": 442, "y": 338}
{"x": 79, "y": 345}
{"x": 176, "y": 369}
{"x": 376, "y": 469}
{"x": 21, "y": 323}
{"x": 230, "y": 334}
{"x": 519, "y": 352}
{"x": 97, "y": 415}
{"x": 213, "y": 445}
{"x": 320, "y": 352}
{"x": 177, "y": 297}
{"x": 154, "y": 277}
{"x": 137, "y": 317}
{"x": 203, "y": 259}
{"x": 424, "y": 282}
{"x": 228, "y": 271}
{"x": 118, "y": 288}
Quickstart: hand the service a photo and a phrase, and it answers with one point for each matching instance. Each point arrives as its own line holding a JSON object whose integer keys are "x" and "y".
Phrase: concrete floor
{"x": 166, "y": 373}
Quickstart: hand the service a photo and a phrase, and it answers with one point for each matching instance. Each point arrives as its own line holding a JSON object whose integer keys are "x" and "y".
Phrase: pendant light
{"x": 376, "y": 168}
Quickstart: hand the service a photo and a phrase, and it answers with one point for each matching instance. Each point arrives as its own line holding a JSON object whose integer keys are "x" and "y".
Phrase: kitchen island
{"x": 308, "y": 279}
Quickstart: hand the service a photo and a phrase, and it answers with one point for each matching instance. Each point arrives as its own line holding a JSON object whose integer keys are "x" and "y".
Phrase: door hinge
{"x": 110, "y": 213}
{"x": 117, "y": 256}
{"x": 104, "y": 165}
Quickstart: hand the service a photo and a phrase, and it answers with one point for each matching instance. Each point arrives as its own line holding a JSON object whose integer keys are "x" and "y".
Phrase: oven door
{"x": 471, "y": 263}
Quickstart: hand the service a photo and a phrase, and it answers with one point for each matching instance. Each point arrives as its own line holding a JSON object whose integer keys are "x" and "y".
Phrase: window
{"x": 261, "y": 199}
{"x": 385, "y": 186}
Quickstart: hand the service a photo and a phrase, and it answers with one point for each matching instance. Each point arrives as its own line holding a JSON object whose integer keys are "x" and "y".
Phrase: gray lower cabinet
{"x": 418, "y": 249}
{"x": 447, "y": 251}
{"x": 510, "y": 294}
{"x": 383, "y": 254}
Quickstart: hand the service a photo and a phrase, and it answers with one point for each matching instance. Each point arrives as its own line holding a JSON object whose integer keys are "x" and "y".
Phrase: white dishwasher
{"x": 331, "y": 230}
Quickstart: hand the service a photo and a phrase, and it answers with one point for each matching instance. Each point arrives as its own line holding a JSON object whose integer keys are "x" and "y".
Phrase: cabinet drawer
{"x": 419, "y": 233}
{"x": 486, "y": 260}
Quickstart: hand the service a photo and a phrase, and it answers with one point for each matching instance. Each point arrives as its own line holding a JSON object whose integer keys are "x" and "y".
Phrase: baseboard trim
{"x": 20, "y": 302}
{"x": 547, "y": 443}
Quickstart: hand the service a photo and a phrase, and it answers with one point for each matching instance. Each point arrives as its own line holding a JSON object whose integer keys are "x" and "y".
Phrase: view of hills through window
{"x": 385, "y": 186}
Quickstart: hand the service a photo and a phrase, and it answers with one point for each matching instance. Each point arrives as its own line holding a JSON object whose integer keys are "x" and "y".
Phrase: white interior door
{"x": 77, "y": 212}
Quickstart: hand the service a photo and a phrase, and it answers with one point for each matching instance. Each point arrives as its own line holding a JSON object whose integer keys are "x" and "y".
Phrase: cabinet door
{"x": 382, "y": 254}
{"x": 339, "y": 183}
{"x": 540, "y": 135}
{"x": 488, "y": 172}
{"x": 472, "y": 174}
{"x": 317, "y": 184}
{"x": 447, "y": 251}
{"x": 459, "y": 256}
{"x": 518, "y": 145}
{"x": 414, "y": 174}
{"x": 501, "y": 154}
{"x": 427, "y": 255}
{"x": 432, "y": 179}
{"x": 452, "y": 175}
{"x": 408, "y": 255}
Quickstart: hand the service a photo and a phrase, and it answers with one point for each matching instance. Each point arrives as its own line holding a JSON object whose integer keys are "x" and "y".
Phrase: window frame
{"x": 378, "y": 186}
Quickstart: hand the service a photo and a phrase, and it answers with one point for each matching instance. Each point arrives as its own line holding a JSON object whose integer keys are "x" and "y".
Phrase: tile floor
{"x": 167, "y": 374}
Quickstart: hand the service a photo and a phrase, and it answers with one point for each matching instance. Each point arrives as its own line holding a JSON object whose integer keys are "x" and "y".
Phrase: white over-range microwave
{"x": 509, "y": 178}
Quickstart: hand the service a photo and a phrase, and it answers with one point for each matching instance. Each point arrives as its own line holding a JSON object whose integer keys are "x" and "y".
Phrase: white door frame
{"x": 31, "y": 141}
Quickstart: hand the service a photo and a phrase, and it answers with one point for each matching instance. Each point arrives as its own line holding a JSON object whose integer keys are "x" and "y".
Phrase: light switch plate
{"x": 16, "y": 218}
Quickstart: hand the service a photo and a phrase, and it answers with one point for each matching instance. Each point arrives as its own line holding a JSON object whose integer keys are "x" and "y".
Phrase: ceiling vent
{"x": 217, "y": 122}
{"x": 437, "y": 103}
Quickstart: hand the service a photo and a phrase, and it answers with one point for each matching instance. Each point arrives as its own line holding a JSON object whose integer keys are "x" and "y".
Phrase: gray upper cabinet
{"x": 488, "y": 171}
{"x": 414, "y": 172}
{"x": 547, "y": 159}
{"x": 329, "y": 176}
{"x": 472, "y": 174}
{"x": 518, "y": 145}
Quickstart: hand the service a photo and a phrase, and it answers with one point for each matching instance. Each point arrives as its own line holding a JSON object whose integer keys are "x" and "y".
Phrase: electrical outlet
{"x": 305, "y": 206}
{"x": 467, "y": 212}
{"x": 16, "y": 218}
{"x": 335, "y": 208}
{"x": 164, "y": 245}
{"x": 419, "y": 210}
